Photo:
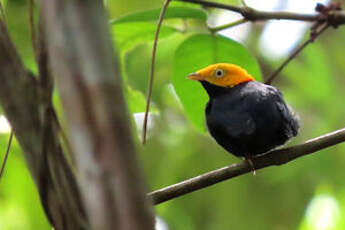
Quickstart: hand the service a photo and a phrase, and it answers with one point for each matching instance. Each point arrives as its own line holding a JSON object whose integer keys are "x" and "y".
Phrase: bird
{"x": 244, "y": 116}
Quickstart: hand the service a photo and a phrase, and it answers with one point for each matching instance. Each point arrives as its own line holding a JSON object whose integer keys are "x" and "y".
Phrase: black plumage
{"x": 250, "y": 118}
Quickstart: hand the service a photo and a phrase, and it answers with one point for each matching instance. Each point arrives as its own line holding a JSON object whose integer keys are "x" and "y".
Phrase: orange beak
{"x": 195, "y": 77}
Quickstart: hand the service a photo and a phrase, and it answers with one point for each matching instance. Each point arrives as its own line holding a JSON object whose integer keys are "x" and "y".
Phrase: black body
{"x": 250, "y": 118}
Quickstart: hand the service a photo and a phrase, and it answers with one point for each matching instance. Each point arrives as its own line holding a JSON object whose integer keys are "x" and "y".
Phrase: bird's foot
{"x": 250, "y": 162}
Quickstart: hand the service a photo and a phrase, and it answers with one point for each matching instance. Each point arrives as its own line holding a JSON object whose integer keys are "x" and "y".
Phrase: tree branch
{"x": 275, "y": 157}
{"x": 21, "y": 102}
{"x": 317, "y": 32}
{"x": 233, "y": 8}
{"x": 337, "y": 17}
{"x": 88, "y": 76}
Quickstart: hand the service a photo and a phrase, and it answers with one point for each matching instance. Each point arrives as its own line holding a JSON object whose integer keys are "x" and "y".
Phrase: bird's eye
{"x": 219, "y": 73}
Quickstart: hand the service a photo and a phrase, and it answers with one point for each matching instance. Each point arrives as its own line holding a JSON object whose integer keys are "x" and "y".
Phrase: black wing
{"x": 290, "y": 119}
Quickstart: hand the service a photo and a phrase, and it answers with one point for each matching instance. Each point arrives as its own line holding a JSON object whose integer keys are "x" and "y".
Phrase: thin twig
{"x": 6, "y": 154}
{"x": 312, "y": 38}
{"x": 2, "y": 12}
{"x": 32, "y": 28}
{"x": 275, "y": 157}
{"x": 228, "y": 25}
{"x": 153, "y": 58}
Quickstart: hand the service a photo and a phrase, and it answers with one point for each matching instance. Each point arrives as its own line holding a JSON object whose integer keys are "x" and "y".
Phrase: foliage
{"x": 277, "y": 198}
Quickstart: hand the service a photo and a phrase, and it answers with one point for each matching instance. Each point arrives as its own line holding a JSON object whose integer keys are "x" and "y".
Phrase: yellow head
{"x": 222, "y": 74}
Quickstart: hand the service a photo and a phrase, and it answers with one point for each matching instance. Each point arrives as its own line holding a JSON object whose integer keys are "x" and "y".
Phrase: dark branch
{"x": 275, "y": 157}
{"x": 237, "y": 9}
{"x": 21, "y": 103}
{"x": 337, "y": 17}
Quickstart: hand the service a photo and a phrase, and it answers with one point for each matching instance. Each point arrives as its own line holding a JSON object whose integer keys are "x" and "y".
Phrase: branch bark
{"x": 336, "y": 17}
{"x": 89, "y": 81}
{"x": 275, "y": 157}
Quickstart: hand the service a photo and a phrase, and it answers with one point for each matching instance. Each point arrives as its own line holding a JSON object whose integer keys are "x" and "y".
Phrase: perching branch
{"x": 337, "y": 17}
{"x": 275, "y": 157}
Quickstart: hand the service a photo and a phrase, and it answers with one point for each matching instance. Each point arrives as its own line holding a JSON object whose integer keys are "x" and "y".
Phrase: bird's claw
{"x": 250, "y": 162}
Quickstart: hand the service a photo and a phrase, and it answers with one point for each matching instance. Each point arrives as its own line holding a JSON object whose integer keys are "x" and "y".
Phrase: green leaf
{"x": 197, "y": 52}
{"x": 172, "y": 12}
{"x": 128, "y": 35}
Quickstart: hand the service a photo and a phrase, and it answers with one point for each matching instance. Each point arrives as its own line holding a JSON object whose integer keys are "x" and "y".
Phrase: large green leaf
{"x": 127, "y": 35}
{"x": 172, "y": 12}
{"x": 197, "y": 52}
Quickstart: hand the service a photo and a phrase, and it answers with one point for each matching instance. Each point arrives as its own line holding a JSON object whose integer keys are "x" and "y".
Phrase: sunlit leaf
{"x": 172, "y": 12}
{"x": 323, "y": 212}
{"x": 200, "y": 51}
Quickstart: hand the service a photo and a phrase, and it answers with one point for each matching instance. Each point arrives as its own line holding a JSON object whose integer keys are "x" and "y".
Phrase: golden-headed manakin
{"x": 244, "y": 116}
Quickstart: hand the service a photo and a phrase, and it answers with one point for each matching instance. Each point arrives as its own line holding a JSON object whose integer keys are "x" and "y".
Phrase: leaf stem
{"x": 228, "y": 25}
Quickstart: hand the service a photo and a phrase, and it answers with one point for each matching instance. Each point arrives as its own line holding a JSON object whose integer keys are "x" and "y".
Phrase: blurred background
{"x": 307, "y": 194}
